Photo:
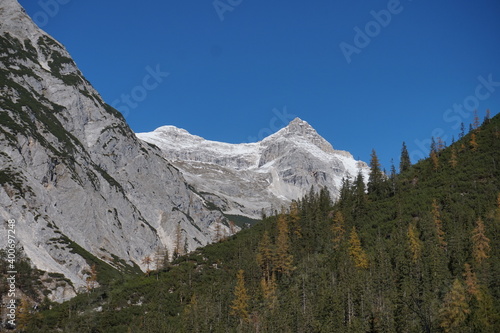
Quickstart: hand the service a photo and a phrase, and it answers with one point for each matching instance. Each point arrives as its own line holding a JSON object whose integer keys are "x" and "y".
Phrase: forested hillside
{"x": 413, "y": 251}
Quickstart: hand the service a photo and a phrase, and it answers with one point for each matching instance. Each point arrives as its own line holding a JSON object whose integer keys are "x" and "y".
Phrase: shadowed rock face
{"x": 71, "y": 170}
{"x": 246, "y": 178}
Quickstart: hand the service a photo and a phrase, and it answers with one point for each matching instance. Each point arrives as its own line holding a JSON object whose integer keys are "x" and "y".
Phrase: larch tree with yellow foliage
{"x": 455, "y": 309}
{"x": 471, "y": 282}
{"x": 473, "y": 142}
{"x": 269, "y": 291}
{"x": 239, "y": 306}
{"x": 480, "y": 243}
{"x": 356, "y": 252}
{"x": 92, "y": 278}
{"x": 338, "y": 228}
{"x": 453, "y": 158}
{"x": 414, "y": 242}
{"x": 435, "y": 160}
{"x": 438, "y": 224}
{"x": 283, "y": 261}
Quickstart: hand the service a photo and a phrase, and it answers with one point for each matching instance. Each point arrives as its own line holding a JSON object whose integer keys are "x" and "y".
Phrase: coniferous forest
{"x": 415, "y": 250}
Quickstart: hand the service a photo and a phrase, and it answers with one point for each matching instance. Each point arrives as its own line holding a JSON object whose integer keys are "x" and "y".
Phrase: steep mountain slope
{"x": 246, "y": 178}
{"x": 74, "y": 177}
{"x": 422, "y": 254}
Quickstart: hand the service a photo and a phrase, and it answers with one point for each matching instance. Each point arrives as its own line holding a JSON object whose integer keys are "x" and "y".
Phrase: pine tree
{"x": 345, "y": 190}
{"x": 178, "y": 248}
{"x": 476, "y": 123}
{"x": 433, "y": 145}
{"x": 23, "y": 315}
{"x": 191, "y": 313}
{"x": 404, "y": 163}
{"x": 160, "y": 258}
{"x": 185, "y": 249}
{"x": 462, "y": 131}
{"x": 487, "y": 117}
{"x": 325, "y": 200}
{"x": 486, "y": 317}
{"x": 239, "y": 306}
{"x": 497, "y": 211}
{"x": 392, "y": 177}
{"x": 294, "y": 218}
{"x": 438, "y": 224}
{"x": 455, "y": 308}
{"x": 360, "y": 193}
{"x": 480, "y": 243}
{"x": 376, "y": 177}
{"x": 265, "y": 256}
{"x": 356, "y": 252}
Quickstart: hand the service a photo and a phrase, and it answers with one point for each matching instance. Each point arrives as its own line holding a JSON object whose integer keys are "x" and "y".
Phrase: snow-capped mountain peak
{"x": 246, "y": 178}
{"x": 299, "y": 131}
{"x": 297, "y": 127}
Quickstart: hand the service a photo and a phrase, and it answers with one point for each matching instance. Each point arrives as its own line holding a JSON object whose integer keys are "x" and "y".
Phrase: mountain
{"x": 80, "y": 186}
{"x": 418, "y": 252}
{"x": 84, "y": 190}
{"x": 245, "y": 179}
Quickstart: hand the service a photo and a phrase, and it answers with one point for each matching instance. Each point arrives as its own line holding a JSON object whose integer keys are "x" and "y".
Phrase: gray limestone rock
{"x": 244, "y": 179}
{"x": 73, "y": 171}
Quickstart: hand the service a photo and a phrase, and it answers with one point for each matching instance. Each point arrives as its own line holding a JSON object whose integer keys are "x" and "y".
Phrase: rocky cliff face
{"x": 73, "y": 175}
{"x": 82, "y": 187}
{"x": 243, "y": 179}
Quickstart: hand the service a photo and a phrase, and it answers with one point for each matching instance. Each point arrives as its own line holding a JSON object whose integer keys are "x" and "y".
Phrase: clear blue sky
{"x": 364, "y": 74}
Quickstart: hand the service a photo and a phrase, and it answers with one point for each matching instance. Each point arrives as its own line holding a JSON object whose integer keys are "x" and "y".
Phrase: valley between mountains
{"x": 84, "y": 189}
{"x": 107, "y": 230}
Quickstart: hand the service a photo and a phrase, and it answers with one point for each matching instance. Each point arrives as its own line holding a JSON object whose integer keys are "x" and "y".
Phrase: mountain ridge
{"x": 406, "y": 256}
{"x": 84, "y": 190}
{"x": 282, "y": 167}
{"x": 74, "y": 176}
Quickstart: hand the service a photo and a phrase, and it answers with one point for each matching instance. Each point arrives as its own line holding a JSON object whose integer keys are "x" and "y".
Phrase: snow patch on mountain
{"x": 250, "y": 177}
